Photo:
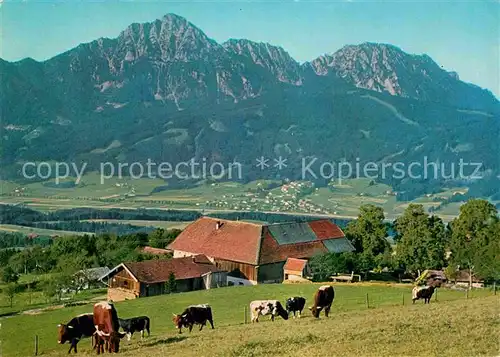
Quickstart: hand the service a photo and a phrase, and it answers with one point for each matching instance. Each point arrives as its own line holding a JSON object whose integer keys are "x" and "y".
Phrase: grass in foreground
{"x": 386, "y": 322}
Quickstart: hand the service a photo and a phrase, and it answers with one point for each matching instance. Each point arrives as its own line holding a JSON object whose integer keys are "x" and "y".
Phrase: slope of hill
{"x": 165, "y": 91}
{"x": 460, "y": 327}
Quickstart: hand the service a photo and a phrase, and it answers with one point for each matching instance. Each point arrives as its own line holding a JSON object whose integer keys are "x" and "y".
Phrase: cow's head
{"x": 180, "y": 320}
{"x": 315, "y": 311}
{"x": 65, "y": 333}
{"x": 281, "y": 311}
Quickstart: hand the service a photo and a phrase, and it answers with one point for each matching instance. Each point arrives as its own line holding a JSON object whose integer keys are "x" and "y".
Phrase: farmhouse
{"x": 90, "y": 278}
{"x": 255, "y": 253}
{"x": 148, "y": 278}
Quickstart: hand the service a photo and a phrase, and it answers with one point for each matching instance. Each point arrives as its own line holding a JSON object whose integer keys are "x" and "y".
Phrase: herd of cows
{"x": 103, "y": 324}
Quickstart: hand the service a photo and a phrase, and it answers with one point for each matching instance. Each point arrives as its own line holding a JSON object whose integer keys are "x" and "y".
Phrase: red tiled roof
{"x": 325, "y": 229}
{"x": 295, "y": 264}
{"x": 157, "y": 271}
{"x": 252, "y": 243}
{"x": 235, "y": 240}
{"x": 155, "y": 251}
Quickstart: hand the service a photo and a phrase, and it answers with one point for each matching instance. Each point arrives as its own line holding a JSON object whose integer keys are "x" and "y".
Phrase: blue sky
{"x": 463, "y": 36}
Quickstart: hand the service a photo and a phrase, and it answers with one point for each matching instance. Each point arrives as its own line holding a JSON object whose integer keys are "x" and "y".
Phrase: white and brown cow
{"x": 323, "y": 299}
{"x": 107, "y": 325}
{"x": 267, "y": 307}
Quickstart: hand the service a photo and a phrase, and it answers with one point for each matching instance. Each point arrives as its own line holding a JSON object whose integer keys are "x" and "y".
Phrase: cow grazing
{"x": 323, "y": 299}
{"x": 266, "y": 307}
{"x": 107, "y": 325}
{"x": 78, "y": 327}
{"x": 135, "y": 324}
{"x": 422, "y": 292}
{"x": 295, "y": 304}
{"x": 194, "y": 315}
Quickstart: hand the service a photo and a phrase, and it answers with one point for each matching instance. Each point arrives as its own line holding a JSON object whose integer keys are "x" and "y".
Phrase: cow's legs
{"x": 327, "y": 310}
{"x": 190, "y": 327}
{"x": 300, "y": 313}
{"x": 142, "y": 334}
{"x": 129, "y": 336}
{"x": 272, "y": 317}
{"x": 201, "y": 326}
{"x": 211, "y": 323}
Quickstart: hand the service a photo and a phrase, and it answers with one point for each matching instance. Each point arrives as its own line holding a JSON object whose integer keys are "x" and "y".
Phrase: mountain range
{"x": 165, "y": 91}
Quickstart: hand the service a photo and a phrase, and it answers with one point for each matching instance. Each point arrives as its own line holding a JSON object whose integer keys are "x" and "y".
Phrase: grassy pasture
{"x": 386, "y": 328}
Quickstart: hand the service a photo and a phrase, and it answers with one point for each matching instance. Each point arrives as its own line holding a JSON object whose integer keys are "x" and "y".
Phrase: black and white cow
{"x": 194, "y": 315}
{"x": 77, "y": 328}
{"x": 296, "y": 305}
{"x": 135, "y": 324}
{"x": 267, "y": 307}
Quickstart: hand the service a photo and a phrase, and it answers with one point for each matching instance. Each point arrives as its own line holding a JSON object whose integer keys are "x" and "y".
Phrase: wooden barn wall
{"x": 271, "y": 273}
{"x": 248, "y": 270}
{"x": 123, "y": 280}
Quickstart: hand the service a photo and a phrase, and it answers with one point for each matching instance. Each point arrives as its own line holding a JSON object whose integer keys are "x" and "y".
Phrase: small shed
{"x": 91, "y": 278}
{"x": 296, "y": 269}
{"x": 148, "y": 278}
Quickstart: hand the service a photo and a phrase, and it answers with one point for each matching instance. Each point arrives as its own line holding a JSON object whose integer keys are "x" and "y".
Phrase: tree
{"x": 10, "y": 292}
{"x": 57, "y": 285}
{"x": 325, "y": 265}
{"x": 161, "y": 238}
{"x": 472, "y": 233}
{"x": 9, "y": 275}
{"x": 368, "y": 234}
{"x": 421, "y": 240}
{"x": 171, "y": 284}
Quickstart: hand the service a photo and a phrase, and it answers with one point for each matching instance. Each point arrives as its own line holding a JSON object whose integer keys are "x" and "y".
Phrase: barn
{"x": 254, "y": 253}
{"x": 148, "y": 278}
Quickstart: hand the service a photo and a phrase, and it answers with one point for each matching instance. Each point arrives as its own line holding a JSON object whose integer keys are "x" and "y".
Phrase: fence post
{"x": 367, "y": 302}
{"x": 36, "y": 345}
{"x": 245, "y": 320}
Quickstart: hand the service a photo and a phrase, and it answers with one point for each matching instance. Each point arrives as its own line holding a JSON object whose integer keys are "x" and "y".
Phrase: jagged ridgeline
{"x": 165, "y": 91}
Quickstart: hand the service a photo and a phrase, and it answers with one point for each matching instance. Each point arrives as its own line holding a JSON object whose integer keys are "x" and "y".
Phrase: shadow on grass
{"x": 165, "y": 341}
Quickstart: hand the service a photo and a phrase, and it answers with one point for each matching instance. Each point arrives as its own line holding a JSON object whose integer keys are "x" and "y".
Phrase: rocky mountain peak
{"x": 171, "y": 38}
{"x": 273, "y": 58}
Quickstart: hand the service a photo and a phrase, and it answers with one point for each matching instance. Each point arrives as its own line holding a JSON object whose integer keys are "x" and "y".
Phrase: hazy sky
{"x": 462, "y": 36}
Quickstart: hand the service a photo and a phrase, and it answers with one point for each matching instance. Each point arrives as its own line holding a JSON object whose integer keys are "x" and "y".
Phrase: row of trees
{"x": 422, "y": 241}
{"x": 86, "y": 251}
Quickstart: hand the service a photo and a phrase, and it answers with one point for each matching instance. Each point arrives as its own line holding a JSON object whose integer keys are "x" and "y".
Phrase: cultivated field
{"x": 341, "y": 200}
{"x": 450, "y": 326}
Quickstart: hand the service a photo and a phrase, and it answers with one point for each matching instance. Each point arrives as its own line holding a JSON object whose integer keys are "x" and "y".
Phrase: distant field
{"x": 159, "y": 224}
{"x": 39, "y": 231}
{"x": 342, "y": 200}
{"x": 451, "y": 326}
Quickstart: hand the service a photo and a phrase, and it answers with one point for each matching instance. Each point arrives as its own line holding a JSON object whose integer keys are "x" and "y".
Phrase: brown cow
{"x": 323, "y": 299}
{"x": 107, "y": 325}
